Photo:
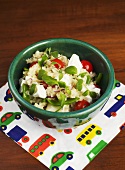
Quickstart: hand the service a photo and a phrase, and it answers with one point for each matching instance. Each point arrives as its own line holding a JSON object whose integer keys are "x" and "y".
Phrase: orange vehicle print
{"x": 41, "y": 144}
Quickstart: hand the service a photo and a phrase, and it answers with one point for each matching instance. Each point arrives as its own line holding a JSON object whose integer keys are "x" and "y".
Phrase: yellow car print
{"x": 86, "y": 135}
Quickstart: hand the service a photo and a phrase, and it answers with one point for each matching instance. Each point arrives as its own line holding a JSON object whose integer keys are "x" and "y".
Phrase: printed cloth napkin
{"x": 68, "y": 149}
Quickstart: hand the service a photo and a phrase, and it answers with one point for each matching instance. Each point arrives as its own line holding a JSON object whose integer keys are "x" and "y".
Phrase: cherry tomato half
{"x": 81, "y": 105}
{"x": 87, "y": 65}
{"x": 59, "y": 64}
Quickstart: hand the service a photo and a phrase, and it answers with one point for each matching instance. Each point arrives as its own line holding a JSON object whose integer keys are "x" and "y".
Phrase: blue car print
{"x": 112, "y": 111}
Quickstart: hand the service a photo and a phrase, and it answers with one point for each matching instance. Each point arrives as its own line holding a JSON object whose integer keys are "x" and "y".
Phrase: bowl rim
{"x": 77, "y": 113}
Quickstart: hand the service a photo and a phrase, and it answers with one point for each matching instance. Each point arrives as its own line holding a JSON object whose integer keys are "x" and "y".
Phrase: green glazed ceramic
{"x": 66, "y": 47}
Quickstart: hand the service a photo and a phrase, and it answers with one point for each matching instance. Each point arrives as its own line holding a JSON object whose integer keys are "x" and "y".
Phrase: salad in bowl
{"x": 53, "y": 82}
{"x": 63, "y": 82}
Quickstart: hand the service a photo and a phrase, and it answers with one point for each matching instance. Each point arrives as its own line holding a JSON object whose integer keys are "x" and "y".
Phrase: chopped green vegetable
{"x": 68, "y": 91}
{"x": 83, "y": 74}
{"x": 54, "y": 54}
{"x": 41, "y": 73}
{"x": 26, "y": 97}
{"x": 47, "y": 51}
{"x": 86, "y": 93}
{"x": 60, "y": 74}
{"x": 32, "y": 89}
{"x": 88, "y": 79}
{"x": 62, "y": 98}
{"x": 54, "y": 102}
{"x": 79, "y": 84}
{"x": 71, "y": 70}
{"x": 99, "y": 77}
{"x": 71, "y": 100}
{"x": 49, "y": 80}
{"x": 62, "y": 84}
{"x": 43, "y": 59}
{"x": 93, "y": 94}
{"x": 25, "y": 89}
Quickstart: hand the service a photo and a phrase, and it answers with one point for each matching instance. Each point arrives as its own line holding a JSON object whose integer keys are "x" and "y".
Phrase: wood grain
{"x": 101, "y": 23}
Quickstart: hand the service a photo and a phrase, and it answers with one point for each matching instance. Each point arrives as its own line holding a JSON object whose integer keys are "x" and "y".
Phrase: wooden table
{"x": 101, "y": 23}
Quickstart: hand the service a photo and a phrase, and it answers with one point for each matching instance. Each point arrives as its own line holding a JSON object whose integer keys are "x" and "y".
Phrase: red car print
{"x": 41, "y": 144}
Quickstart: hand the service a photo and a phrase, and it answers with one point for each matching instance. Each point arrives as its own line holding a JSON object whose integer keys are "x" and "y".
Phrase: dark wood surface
{"x": 101, "y": 23}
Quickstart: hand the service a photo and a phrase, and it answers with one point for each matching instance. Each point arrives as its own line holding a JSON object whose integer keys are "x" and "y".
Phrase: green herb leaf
{"x": 82, "y": 74}
{"x": 26, "y": 97}
{"x": 68, "y": 91}
{"x": 47, "y": 51}
{"x": 88, "y": 79}
{"x": 71, "y": 70}
{"x": 62, "y": 98}
{"x": 32, "y": 89}
{"x": 86, "y": 93}
{"x": 25, "y": 88}
{"x": 99, "y": 77}
{"x": 54, "y": 102}
{"x": 93, "y": 94}
{"x": 49, "y": 80}
{"x": 62, "y": 84}
{"x": 41, "y": 73}
{"x": 60, "y": 75}
{"x": 71, "y": 100}
{"x": 43, "y": 59}
{"x": 54, "y": 54}
{"x": 79, "y": 84}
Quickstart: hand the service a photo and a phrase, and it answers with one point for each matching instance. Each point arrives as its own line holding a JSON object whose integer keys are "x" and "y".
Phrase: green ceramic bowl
{"x": 66, "y": 47}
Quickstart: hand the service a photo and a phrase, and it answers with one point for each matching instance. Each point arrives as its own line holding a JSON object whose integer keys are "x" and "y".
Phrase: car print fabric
{"x": 63, "y": 149}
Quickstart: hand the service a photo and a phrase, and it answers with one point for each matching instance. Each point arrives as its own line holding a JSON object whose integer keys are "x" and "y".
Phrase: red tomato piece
{"x": 33, "y": 63}
{"x": 81, "y": 105}
{"x": 60, "y": 64}
{"x": 87, "y": 65}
